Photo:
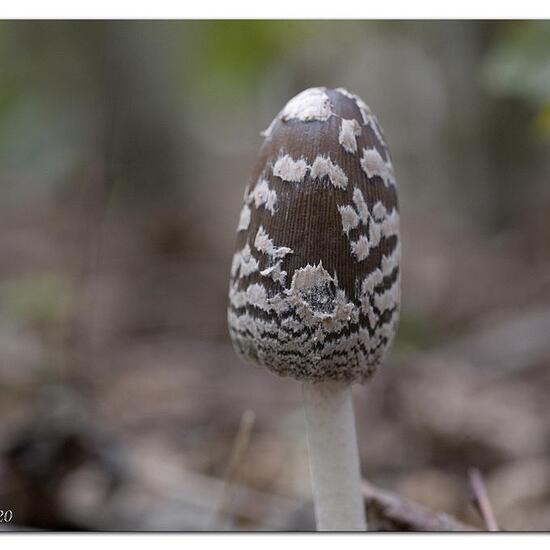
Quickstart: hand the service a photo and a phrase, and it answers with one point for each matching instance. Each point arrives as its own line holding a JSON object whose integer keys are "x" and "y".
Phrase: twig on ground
{"x": 480, "y": 499}
{"x": 240, "y": 447}
{"x": 396, "y": 513}
{"x": 195, "y": 495}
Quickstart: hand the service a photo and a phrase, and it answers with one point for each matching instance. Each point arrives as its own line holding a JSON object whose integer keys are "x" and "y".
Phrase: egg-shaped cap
{"x": 314, "y": 285}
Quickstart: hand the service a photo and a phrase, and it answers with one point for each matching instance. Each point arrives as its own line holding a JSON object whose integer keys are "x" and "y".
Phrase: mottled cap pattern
{"x": 315, "y": 282}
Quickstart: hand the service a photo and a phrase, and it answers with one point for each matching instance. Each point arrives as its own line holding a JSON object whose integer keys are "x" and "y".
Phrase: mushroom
{"x": 315, "y": 283}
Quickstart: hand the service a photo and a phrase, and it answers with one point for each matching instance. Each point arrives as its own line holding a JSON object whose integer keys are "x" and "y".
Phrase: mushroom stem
{"x": 334, "y": 457}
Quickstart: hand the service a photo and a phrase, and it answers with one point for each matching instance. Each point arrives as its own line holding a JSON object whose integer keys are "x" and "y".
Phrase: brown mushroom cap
{"x": 314, "y": 286}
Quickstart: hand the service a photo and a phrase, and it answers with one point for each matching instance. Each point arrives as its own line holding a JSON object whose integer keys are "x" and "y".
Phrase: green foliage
{"x": 416, "y": 332}
{"x": 241, "y": 50}
{"x": 38, "y": 299}
{"x": 518, "y": 66}
{"x": 231, "y": 56}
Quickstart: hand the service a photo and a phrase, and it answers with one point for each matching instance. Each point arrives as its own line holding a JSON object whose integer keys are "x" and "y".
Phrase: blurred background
{"x": 125, "y": 148}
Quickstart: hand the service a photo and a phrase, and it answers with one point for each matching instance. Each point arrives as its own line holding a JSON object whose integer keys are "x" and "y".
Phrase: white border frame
{"x": 272, "y": 9}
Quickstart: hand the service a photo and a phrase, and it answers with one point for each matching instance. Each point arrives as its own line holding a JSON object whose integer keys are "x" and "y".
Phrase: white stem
{"x": 334, "y": 457}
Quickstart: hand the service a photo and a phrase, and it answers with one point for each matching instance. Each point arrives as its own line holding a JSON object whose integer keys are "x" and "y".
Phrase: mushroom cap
{"x": 315, "y": 282}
